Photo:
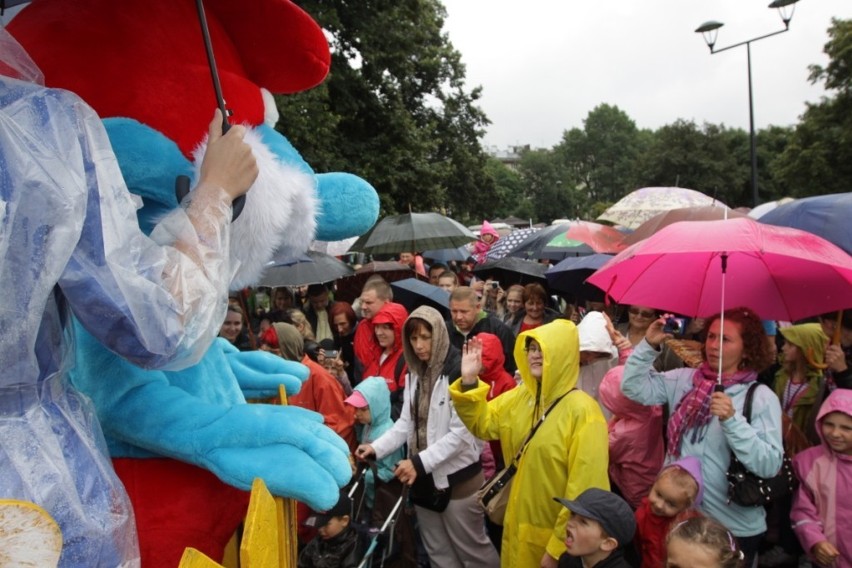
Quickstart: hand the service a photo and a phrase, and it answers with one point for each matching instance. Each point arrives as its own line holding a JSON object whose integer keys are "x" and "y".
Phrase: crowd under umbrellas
{"x": 563, "y": 257}
{"x": 693, "y": 261}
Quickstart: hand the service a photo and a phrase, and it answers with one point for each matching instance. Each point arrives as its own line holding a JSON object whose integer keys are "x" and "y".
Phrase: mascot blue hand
{"x": 349, "y": 206}
{"x": 289, "y": 447}
{"x": 260, "y": 373}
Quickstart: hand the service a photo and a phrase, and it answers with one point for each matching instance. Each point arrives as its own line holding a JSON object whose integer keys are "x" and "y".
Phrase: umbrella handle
{"x": 719, "y": 387}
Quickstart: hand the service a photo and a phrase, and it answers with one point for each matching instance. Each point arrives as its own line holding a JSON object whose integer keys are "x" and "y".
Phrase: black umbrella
{"x": 568, "y": 276}
{"x": 508, "y": 243}
{"x": 413, "y": 232}
{"x": 310, "y": 268}
{"x": 511, "y": 270}
{"x": 413, "y": 293}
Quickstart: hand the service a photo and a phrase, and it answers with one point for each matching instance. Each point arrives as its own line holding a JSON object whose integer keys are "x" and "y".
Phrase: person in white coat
{"x": 442, "y": 468}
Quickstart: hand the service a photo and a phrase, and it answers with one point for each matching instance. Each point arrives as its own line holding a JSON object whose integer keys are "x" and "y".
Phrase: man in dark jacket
{"x": 469, "y": 319}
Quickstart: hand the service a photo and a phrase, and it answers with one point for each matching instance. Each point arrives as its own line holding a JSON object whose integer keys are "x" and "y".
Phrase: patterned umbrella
{"x": 505, "y": 245}
{"x": 637, "y": 207}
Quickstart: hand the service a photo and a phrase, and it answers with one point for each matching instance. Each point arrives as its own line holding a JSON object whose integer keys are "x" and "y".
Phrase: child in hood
{"x": 598, "y": 355}
{"x": 673, "y": 499}
{"x": 822, "y": 506}
{"x": 488, "y": 235}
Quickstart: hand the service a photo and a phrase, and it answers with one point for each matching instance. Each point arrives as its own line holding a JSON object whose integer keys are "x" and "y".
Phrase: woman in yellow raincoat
{"x": 568, "y": 453}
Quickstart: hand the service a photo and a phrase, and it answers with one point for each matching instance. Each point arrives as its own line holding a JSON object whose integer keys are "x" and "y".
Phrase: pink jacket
{"x": 636, "y": 448}
{"x": 822, "y": 506}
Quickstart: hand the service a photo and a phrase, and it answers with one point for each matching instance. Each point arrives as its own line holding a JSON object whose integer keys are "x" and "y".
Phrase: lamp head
{"x": 785, "y": 8}
{"x": 711, "y": 29}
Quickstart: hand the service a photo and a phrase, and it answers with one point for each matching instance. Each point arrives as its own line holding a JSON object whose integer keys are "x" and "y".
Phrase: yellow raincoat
{"x": 567, "y": 455}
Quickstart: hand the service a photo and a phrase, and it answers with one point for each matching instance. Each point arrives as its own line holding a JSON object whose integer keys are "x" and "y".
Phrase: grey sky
{"x": 544, "y": 64}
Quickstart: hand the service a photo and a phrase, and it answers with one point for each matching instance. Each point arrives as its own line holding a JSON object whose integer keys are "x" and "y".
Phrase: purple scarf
{"x": 693, "y": 410}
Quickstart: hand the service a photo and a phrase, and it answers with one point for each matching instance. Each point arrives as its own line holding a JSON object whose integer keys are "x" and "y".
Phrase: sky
{"x": 544, "y": 65}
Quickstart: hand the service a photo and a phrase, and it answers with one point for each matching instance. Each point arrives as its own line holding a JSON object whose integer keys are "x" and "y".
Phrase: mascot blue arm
{"x": 148, "y": 413}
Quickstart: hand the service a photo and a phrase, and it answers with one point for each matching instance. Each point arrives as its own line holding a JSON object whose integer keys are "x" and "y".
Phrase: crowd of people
{"x": 630, "y": 466}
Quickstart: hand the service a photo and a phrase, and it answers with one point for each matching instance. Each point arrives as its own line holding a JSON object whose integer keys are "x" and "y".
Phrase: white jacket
{"x": 450, "y": 445}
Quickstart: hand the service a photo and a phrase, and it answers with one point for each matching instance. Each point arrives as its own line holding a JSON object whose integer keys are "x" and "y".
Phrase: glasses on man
{"x": 532, "y": 349}
{"x": 641, "y": 313}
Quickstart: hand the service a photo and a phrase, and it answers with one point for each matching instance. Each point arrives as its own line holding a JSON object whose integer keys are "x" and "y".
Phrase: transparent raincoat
{"x": 69, "y": 242}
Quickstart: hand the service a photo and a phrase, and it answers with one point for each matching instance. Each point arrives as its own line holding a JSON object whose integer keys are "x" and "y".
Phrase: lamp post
{"x": 710, "y": 30}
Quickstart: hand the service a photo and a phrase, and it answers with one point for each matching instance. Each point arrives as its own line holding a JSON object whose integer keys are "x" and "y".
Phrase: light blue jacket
{"x": 757, "y": 445}
{"x": 375, "y": 391}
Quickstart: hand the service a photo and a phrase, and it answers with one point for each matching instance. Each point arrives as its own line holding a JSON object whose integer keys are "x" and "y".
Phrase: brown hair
{"x": 464, "y": 294}
{"x": 711, "y": 535}
{"x": 413, "y": 325}
{"x": 535, "y": 291}
{"x": 757, "y": 355}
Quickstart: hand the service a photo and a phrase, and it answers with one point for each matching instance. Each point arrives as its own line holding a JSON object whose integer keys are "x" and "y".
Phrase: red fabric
{"x": 527, "y": 326}
{"x": 364, "y": 343}
{"x": 651, "y": 531}
{"x": 90, "y": 46}
{"x": 322, "y": 393}
{"x": 178, "y": 505}
{"x": 394, "y": 315}
{"x": 500, "y": 380}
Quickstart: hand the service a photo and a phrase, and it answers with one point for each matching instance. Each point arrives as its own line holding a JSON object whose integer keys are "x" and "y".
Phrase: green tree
{"x": 394, "y": 108}
{"x": 551, "y": 189}
{"x": 818, "y": 157}
{"x": 602, "y": 155}
{"x": 707, "y": 159}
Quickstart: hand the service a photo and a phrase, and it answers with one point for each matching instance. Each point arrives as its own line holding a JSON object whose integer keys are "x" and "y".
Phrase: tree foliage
{"x": 394, "y": 109}
{"x": 818, "y": 158}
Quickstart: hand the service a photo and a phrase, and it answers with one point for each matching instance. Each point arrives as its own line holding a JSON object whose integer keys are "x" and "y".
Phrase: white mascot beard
{"x": 279, "y": 217}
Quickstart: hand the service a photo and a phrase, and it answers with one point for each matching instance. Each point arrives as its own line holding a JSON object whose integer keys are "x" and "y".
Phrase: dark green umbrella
{"x": 413, "y": 232}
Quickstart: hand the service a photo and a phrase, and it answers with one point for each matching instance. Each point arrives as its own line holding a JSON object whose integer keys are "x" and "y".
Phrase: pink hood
{"x": 840, "y": 400}
{"x": 611, "y": 397}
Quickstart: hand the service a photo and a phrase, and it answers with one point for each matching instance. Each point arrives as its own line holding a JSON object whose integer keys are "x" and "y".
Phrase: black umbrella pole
{"x": 240, "y": 201}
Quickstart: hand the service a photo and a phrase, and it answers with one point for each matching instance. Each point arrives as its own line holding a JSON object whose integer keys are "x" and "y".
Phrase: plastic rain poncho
{"x": 69, "y": 242}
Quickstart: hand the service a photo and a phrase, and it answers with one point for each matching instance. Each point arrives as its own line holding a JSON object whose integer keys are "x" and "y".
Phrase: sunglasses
{"x": 641, "y": 313}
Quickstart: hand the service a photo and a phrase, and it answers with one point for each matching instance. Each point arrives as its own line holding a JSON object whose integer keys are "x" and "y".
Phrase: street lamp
{"x": 710, "y": 30}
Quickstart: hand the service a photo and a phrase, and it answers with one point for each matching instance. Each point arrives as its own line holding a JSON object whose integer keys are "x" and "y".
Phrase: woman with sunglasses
{"x": 639, "y": 318}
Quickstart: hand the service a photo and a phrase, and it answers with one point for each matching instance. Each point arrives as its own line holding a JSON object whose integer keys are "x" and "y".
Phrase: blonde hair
{"x": 682, "y": 479}
{"x": 301, "y": 323}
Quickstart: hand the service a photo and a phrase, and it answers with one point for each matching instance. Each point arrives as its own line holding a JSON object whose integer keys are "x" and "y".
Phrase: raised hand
{"x": 471, "y": 363}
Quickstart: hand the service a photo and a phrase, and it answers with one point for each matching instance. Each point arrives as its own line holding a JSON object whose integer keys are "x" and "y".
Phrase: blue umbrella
{"x": 413, "y": 293}
{"x": 827, "y": 216}
{"x": 568, "y": 276}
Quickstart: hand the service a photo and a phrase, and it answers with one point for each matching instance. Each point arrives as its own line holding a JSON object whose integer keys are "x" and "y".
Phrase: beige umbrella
{"x": 638, "y": 206}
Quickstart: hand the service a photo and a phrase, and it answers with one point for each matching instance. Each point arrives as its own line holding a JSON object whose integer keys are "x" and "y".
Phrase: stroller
{"x": 382, "y": 542}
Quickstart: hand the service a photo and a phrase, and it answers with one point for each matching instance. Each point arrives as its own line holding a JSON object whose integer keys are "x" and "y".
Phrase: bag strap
{"x": 748, "y": 400}
{"x": 537, "y": 424}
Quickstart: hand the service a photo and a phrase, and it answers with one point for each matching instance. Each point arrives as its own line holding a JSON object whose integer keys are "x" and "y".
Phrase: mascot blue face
{"x": 287, "y": 207}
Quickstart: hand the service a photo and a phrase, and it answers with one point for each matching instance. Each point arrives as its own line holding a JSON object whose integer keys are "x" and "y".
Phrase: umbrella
{"x": 310, "y": 268}
{"x": 780, "y": 273}
{"x": 538, "y": 246}
{"x": 502, "y": 247}
{"x": 765, "y": 208}
{"x": 413, "y": 293}
{"x": 349, "y": 287}
{"x": 601, "y": 238}
{"x": 657, "y": 222}
{"x": 413, "y": 232}
{"x": 828, "y": 216}
{"x": 334, "y": 248}
{"x": 511, "y": 270}
{"x": 446, "y": 255}
{"x": 638, "y": 206}
{"x": 568, "y": 276}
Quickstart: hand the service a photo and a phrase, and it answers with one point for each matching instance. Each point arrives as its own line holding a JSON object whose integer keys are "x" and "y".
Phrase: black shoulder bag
{"x": 749, "y": 490}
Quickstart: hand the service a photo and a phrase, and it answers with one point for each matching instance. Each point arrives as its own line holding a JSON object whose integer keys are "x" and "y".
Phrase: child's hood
{"x": 611, "y": 397}
{"x": 810, "y": 338}
{"x": 375, "y": 391}
{"x": 692, "y": 466}
{"x": 840, "y": 400}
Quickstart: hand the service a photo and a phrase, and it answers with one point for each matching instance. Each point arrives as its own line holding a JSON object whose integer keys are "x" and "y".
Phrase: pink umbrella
{"x": 780, "y": 273}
